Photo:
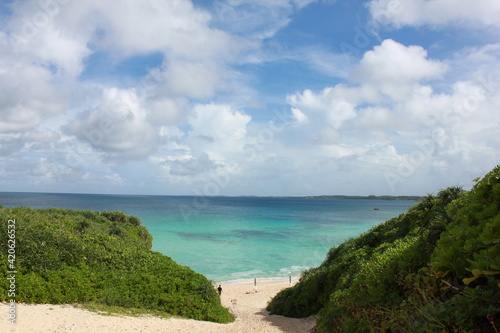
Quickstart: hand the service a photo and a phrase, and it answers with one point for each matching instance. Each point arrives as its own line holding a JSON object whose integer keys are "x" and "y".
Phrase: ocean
{"x": 232, "y": 238}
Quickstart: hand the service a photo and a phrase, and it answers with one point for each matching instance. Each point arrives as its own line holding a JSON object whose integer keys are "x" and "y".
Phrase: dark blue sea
{"x": 231, "y": 238}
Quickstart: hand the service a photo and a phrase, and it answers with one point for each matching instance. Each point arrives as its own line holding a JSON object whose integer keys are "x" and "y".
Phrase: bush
{"x": 69, "y": 256}
{"x": 435, "y": 268}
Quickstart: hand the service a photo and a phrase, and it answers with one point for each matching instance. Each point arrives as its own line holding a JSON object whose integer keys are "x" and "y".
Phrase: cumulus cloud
{"x": 166, "y": 111}
{"x": 192, "y": 50}
{"x": 9, "y": 145}
{"x": 298, "y": 115}
{"x": 175, "y": 27}
{"x": 192, "y": 79}
{"x": 117, "y": 126}
{"x": 391, "y": 119}
{"x": 124, "y": 123}
{"x": 192, "y": 166}
{"x": 394, "y": 61}
{"x": 333, "y": 106}
{"x": 394, "y": 67}
{"x": 436, "y": 12}
{"x": 211, "y": 147}
{"x": 27, "y": 95}
{"x": 218, "y": 130}
{"x": 43, "y": 138}
{"x": 397, "y": 114}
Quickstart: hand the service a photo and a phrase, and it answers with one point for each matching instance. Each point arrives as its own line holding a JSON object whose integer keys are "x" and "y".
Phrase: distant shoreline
{"x": 327, "y": 196}
{"x": 371, "y": 197}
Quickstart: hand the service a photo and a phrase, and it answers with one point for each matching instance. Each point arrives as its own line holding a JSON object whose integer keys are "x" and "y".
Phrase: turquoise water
{"x": 230, "y": 238}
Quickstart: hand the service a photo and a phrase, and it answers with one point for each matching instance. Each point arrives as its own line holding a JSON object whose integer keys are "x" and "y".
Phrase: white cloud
{"x": 333, "y": 106}
{"x": 27, "y": 95}
{"x": 397, "y": 111}
{"x": 257, "y": 19}
{"x": 481, "y": 63}
{"x": 218, "y": 130}
{"x": 194, "y": 52}
{"x": 117, "y": 126}
{"x": 194, "y": 56}
{"x": 41, "y": 138}
{"x": 9, "y": 145}
{"x": 392, "y": 120}
{"x": 436, "y": 12}
{"x": 126, "y": 124}
{"x": 395, "y": 68}
{"x": 374, "y": 118}
{"x": 36, "y": 30}
{"x": 192, "y": 166}
{"x": 174, "y": 27}
{"x": 298, "y": 115}
{"x": 192, "y": 79}
{"x": 392, "y": 61}
{"x": 166, "y": 111}
{"x": 211, "y": 148}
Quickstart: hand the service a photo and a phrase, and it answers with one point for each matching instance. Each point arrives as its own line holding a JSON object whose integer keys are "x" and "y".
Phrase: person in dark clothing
{"x": 219, "y": 290}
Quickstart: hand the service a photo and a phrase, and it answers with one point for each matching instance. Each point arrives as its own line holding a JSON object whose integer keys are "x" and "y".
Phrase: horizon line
{"x": 318, "y": 196}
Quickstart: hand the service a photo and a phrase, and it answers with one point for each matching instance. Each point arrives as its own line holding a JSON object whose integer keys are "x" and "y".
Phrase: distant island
{"x": 335, "y": 196}
{"x": 372, "y": 197}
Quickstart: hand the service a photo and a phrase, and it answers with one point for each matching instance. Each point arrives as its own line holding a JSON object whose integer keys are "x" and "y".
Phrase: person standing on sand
{"x": 219, "y": 290}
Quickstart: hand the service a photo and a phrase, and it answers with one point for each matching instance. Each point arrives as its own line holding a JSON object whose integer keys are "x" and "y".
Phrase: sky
{"x": 248, "y": 97}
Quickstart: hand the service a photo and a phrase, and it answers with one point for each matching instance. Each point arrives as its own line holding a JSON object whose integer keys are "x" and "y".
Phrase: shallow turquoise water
{"x": 228, "y": 238}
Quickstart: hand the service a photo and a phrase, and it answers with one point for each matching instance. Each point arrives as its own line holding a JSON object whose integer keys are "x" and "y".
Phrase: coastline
{"x": 317, "y": 224}
{"x": 245, "y": 303}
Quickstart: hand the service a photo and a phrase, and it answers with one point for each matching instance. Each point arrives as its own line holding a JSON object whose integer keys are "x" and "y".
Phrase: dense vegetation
{"x": 68, "y": 256}
{"x": 434, "y": 269}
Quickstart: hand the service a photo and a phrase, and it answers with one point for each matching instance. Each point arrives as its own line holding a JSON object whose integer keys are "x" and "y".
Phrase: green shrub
{"x": 69, "y": 256}
{"x": 435, "y": 268}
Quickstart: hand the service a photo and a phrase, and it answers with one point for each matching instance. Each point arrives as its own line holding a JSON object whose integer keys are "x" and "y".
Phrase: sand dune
{"x": 247, "y": 305}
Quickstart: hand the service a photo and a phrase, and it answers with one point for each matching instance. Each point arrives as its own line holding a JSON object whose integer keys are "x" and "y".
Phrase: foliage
{"x": 435, "y": 268}
{"x": 100, "y": 258}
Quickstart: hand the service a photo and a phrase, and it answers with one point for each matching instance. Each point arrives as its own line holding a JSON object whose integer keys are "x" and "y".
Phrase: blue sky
{"x": 240, "y": 97}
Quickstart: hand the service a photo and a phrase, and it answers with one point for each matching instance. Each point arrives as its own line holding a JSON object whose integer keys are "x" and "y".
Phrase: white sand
{"x": 247, "y": 305}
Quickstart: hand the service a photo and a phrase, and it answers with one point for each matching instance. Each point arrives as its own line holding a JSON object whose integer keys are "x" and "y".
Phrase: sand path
{"x": 247, "y": 305}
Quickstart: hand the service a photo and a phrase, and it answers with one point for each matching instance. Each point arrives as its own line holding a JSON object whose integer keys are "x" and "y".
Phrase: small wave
{"x": 247, "y": 274}
{"x": 292, "y": 270}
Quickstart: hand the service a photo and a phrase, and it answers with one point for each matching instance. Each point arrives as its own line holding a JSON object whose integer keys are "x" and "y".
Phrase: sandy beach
{"x": 247, "y": 304}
